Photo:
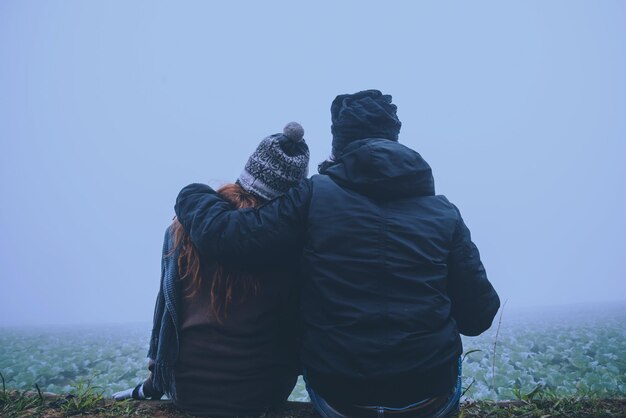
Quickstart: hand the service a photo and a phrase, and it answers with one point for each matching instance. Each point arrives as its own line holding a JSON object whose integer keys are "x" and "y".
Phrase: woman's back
{"x": 245, "y": 362}
{"x": 237, "y": 330}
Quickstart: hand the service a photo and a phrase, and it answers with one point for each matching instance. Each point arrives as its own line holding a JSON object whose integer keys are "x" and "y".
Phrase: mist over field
{"x": 109, "y": 108}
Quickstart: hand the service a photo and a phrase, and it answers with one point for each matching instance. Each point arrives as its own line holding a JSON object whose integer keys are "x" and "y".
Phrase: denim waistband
{"x": 435, "y": 407}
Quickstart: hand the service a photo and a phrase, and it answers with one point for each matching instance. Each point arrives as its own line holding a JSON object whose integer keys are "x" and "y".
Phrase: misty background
{"x": 108, "y": 109}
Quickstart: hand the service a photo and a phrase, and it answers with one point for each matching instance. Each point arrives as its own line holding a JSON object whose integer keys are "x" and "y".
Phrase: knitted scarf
{"x": 164, "y": 341}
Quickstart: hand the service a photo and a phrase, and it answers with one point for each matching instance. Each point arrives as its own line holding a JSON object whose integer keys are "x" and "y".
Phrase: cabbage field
{"x": 566, "y": 350}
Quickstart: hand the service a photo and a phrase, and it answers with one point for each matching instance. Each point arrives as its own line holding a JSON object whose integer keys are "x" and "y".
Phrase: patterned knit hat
{"x": 280, "y": 162}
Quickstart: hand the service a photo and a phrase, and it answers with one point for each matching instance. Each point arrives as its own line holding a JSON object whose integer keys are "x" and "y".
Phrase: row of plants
{"x": 565, "y": 356}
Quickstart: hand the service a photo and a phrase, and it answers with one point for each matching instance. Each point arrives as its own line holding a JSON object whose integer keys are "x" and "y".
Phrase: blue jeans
{"x": 449, "y": 409}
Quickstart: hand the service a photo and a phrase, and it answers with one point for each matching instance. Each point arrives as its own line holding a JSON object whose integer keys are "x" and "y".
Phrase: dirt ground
{"x": 55, "y": 406}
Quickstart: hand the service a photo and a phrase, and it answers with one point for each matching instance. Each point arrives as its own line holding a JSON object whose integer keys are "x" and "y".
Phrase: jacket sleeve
{"x": 248, "y": 237}
{"x": 474, "y": 300}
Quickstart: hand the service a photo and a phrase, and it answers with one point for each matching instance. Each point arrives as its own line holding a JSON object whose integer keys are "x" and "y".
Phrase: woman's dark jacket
{"x": 390, "y": 275}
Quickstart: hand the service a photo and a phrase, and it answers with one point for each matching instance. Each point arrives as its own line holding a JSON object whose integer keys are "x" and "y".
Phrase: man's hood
{"x": 383, "y": 169}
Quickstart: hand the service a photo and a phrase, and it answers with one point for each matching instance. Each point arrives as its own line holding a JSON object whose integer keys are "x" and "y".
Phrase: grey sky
{"x": 108, "y": 108}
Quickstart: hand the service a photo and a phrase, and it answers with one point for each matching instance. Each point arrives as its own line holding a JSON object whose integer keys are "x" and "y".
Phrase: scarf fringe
{"x": 164, "y": 379}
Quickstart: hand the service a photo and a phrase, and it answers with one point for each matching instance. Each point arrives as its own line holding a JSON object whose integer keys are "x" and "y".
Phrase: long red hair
{"x": 228, "y": 285}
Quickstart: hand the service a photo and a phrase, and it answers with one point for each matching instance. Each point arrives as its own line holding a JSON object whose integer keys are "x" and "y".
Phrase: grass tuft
{"x": 13, "y": 404}
{"x": 495, "y": 345}
{"x": 543, "y": 402}
{"x": 83, "y": 398}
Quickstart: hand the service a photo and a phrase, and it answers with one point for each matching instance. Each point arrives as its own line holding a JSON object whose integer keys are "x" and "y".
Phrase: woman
{"x": 224, "y": 339}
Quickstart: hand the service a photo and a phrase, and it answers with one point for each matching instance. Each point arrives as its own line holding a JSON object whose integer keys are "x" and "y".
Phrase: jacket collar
{"x": 381, "y": 168}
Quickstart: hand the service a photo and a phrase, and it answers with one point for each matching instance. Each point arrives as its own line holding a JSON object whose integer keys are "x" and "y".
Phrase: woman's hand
{"x": 132, "y": 393}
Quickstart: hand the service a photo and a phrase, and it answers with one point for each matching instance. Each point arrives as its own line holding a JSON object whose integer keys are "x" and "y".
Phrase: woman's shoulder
{"x": 168, "y": 239}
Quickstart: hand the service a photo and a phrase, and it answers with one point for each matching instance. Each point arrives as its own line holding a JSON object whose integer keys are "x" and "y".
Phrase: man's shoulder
{"x": 318, "y": 180}
{"x": 443, "y": 200}
{"x": 444, "y": 204}
{"x": 318, "y": 177}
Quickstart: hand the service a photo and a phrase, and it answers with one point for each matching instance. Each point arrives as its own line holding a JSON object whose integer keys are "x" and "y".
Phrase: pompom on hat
{"x": 280, "y": 162}
{"x": 366, "y": 114}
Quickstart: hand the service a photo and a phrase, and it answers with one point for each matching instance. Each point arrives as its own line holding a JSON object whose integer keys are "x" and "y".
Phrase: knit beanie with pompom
{"x": 280, "y": 162}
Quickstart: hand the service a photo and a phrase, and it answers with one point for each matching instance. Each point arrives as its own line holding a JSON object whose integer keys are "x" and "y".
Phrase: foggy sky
{"x": 109, "y": 108}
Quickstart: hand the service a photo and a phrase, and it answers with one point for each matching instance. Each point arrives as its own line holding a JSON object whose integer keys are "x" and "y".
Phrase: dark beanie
{"x": 280, "y": 162}
{"x": 366, "y": 114}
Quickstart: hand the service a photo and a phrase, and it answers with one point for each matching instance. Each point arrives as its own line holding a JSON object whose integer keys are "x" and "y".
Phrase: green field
{"x": 566, "y": 350}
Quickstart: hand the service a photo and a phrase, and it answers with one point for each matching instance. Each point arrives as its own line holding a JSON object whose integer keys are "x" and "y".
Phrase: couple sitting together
{"x": 360, "y": 278}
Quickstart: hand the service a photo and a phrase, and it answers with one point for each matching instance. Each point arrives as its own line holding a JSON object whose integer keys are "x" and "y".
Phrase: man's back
{"x": 375, "y": 271}
{"x": 375, "y": 263}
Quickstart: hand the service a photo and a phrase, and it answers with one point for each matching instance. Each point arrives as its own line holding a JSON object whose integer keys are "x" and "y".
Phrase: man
{"x": 390, "y": 276}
